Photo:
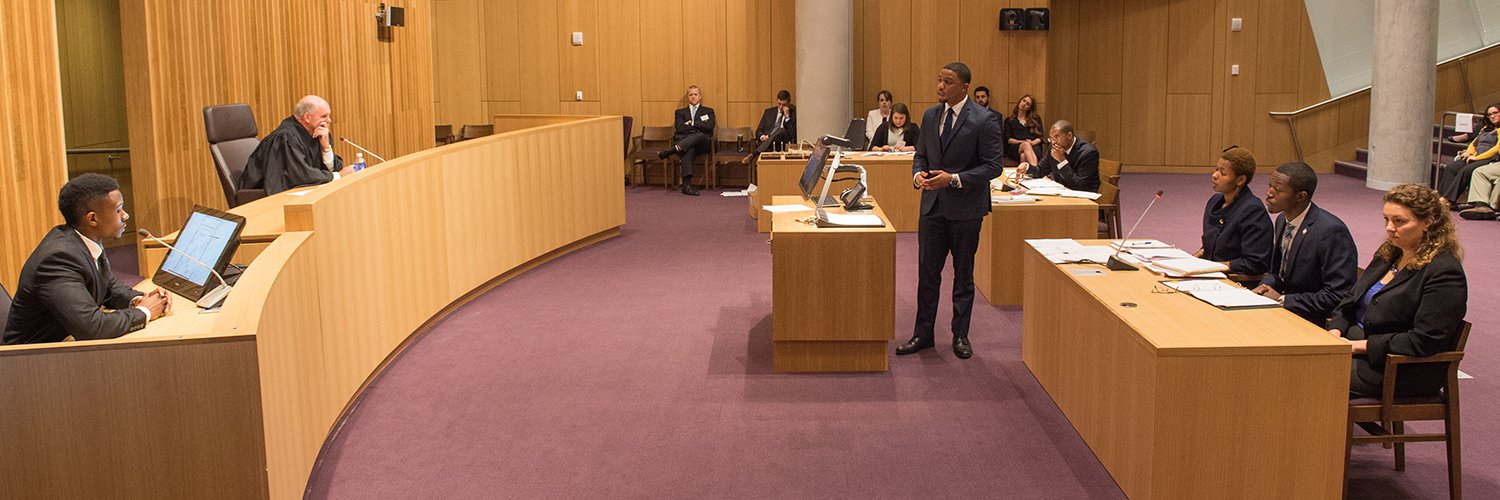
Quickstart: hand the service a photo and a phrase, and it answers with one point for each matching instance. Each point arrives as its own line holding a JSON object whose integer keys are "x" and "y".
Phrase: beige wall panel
{"x": 92, "y": 74}
{"x": 579, "y": 64}
{"x": 1101, "y": 114}
{"x": 580, "y": 108}
{"x": 1101, "y": 42}
{"x": 747, "y": 114}
{"x": 1188, "y": 141}
{"x": 1026, "y": 70}
{"x": 619, "y": 62}
{"x": 1278, "y": 49}
{"x": 748, "y": 42}
{"x": 1239, "y": 105}
{"x": 784, "y": 46}
{"x": 462, "y": 61}
{"x": 658, "y": 113}
{"x": 983, "y": 47}
{"x": 539, "y": 70}
{"x": 502, "y": 50}
{"x": 1273, "y": 142}
{"x": 1191, "y": 26}
{"x": 895, "y": 53}
{"x": 1354, "y": 117}
{"x": 1062, "y": 62}
{"x": 662, "y": 39}
{"x": 704, "y": 64}
{"x": 32, "y": 166}
{"x": 1143, "y": 96}
{"x": 934, "y": 42}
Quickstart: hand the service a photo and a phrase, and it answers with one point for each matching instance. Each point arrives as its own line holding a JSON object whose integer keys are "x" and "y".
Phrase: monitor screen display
{"x": 205, "y": 238}
{"x": 814, "y": 170}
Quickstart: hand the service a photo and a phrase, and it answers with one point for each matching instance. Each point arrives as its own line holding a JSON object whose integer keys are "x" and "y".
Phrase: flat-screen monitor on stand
{"x": 812, "y": 173}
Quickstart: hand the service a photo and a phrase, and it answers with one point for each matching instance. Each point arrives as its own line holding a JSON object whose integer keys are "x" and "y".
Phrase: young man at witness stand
{"x": 1314, "y": 261}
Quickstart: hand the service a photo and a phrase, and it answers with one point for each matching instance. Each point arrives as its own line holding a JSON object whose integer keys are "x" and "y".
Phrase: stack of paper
{"x": 1066, "y": 251}
{"x": 1043, "y": 183}
{"x": 1006, "y": 198}
{"x": 854, "y": 220}
{"x": 776, "y": 209}
{"x": 1190, "y": 266}
{"x": 1154, "y": 254}
{"x": 1222, "y": 295}
{"x": 1133, "y": 244}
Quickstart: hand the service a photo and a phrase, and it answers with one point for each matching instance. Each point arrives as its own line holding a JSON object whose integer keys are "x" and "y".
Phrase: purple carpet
{"x": 640, "y": 367}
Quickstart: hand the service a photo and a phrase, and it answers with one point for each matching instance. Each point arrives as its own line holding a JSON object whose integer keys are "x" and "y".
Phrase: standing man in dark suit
{"x": 1313, "y": 263}
{"x": 778, "y": 124}
{"x": 958, "y": 152}
{"x": 66, "y": 288}
{"x": 694, "y": 132}
{"x": 1074, "y": 162}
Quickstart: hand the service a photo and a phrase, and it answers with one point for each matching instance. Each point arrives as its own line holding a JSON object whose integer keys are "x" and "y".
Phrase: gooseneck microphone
{"x": 1114, "y": 262}
{"x": 356, "y": 146}
{"x": 208, "y": 299}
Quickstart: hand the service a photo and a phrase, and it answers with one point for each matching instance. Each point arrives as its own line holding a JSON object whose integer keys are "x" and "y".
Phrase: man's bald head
{"x": 312, "y": 111}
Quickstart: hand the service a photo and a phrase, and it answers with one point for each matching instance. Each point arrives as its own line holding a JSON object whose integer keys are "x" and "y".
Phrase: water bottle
{"x": 359, "y": 161}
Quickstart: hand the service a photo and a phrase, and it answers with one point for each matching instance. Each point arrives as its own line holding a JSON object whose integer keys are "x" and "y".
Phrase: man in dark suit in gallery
{"x": 778, "y": 124}
{"x": 1313, "y": 264}
{"x": 958, "y": 152}
{"x": 66, "y": 287}
{"x": 1074, "y": 162}
{"x": 693, "y": 132}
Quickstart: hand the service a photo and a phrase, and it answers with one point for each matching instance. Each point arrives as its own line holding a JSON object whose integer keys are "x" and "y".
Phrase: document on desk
{"x": 1042, "y": 183}
{"x": 1010, "y": 199}
{"x": 1153, "y": 254}
{"x": 1133, "y": 244}
{"x": 776, "y": 209}
{"x": 1190, "y": 266}
{"x": 1222, "y": 295}
{"x": 1067, "y": 251}
{"x": 854, "y": 220}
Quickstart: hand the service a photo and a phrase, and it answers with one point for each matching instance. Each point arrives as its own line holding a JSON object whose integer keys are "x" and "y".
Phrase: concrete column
{"x": 825, "y": 67}
{"x": 1402, "y": 90}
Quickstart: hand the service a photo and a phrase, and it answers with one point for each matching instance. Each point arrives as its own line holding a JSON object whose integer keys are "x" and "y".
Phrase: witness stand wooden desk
{"x": 1179, "y": 399}
{"x": 889, "y": 179}
{"x": 997, "y": 265}
{"x": 833, "y": 294}
{"x": 238, "y": 404}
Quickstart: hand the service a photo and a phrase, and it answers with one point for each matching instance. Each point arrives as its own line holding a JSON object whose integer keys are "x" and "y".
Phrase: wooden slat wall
{"x": 32, "y": 166}
{"x": 1151, "y": 77}
{"x": 183, "y": 55}
{"x": 900, "y": 46}
{"x": 508, "y": 56}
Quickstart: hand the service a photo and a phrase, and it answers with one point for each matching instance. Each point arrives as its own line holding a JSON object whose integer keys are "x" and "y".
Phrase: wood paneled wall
{"x": 183, "y": 55}
{"x": 638, "y": 57}
{"x": 32, "y": 166}
{"x": 900, "y": 46}
{"x": 1152, "y": 77}
{"x": 500, "y": 57}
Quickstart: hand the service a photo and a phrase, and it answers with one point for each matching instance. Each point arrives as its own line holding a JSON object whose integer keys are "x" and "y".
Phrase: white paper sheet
{"x": 776, "y": 209}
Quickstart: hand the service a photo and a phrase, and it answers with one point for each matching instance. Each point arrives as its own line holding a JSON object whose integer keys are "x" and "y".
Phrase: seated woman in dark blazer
{"x": 1023, "y": 132}
{"x": 1236, "y": 228}
{"x": 899, "y": 134}
{"x": 1410, "y": 301}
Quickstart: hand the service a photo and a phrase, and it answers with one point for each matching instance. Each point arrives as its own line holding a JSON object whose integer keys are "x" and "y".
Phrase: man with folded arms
{"x": 1313, "y": 263}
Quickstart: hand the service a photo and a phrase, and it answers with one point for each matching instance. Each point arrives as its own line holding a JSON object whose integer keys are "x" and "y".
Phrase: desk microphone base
{"x": 212, "y": 298}
{"x": 1115, "y": 264}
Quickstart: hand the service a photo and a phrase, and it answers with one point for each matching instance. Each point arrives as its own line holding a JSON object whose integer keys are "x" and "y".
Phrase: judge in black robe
{"x": 293, "y": 154}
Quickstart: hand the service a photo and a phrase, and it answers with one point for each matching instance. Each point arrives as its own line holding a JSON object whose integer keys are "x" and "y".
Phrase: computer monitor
{"x": 814, "y": 171}
{"x": 208, "y": 238}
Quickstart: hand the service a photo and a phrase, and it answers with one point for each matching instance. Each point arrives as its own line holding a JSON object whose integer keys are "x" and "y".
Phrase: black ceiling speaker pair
{"x": 1025, "y": 19}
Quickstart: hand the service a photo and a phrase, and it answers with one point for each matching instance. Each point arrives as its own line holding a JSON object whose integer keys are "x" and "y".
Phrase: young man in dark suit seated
{"x": 693, "y": 135}
{"x": 1074, "y": 162}
{"x": 778, "y": 124}
{"x": 1313, "y": 263}
{"x": 66, "y": 288}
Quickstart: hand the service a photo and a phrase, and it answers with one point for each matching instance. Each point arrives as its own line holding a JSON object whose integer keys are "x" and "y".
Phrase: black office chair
{"x": 231, "y": 138}
{"x": 4, "y": 306}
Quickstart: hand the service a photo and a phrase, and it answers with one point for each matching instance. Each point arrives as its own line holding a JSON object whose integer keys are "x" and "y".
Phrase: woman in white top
{"x": 899, "y": 134}
{"x": 878, "y": 115}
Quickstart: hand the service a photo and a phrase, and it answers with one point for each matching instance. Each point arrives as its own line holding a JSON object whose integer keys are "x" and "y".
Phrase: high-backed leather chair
{"x": 231, "y": 138}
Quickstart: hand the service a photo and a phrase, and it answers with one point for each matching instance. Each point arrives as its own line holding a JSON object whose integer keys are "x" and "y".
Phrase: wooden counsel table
{"x": 889, "y": 179}
{"x": 833, "y": 294}
{"x": 997, "y": 265}
{"x": 1179, "y": 399}
{"x": 238, "y": 403}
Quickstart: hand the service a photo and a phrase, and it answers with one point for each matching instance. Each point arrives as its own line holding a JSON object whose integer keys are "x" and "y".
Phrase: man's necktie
{"x": 1286, "y": 245}
{"x": 947, "y": 124}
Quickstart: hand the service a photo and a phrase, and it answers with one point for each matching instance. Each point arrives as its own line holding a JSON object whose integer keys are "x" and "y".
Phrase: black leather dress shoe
{"x": 663, "y": 154}
{"x": 913, "y": 346}
{"x": 962, "y": 349}
{"x": 688, "y": 189}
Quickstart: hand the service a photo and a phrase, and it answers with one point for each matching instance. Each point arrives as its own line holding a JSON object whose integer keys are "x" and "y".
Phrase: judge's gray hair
{"x": 307, "y": 105}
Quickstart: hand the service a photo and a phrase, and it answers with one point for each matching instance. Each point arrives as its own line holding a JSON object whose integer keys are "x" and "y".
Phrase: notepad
{"x": 854, "y": 220}
{"x": 1134, "y": 244}
{"x": 1190, "y": 266}
{"x": 1222, "y": 295}
{"x": 776, "y": 209}
{"x": 1043, "y": 183}
{"x": 1018, "y": 198}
